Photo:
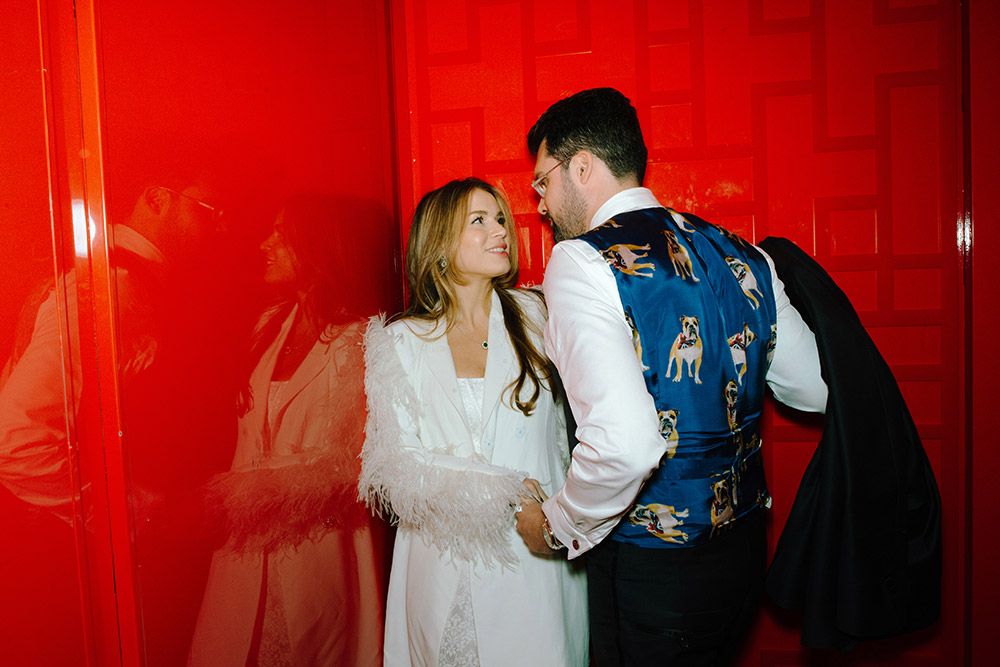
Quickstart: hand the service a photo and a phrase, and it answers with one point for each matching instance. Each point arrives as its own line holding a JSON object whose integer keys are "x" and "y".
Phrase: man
{"x": 664, "y": 329}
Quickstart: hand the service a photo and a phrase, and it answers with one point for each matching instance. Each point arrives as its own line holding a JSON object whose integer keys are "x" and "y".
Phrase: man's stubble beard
{"x": 573, "y": 221}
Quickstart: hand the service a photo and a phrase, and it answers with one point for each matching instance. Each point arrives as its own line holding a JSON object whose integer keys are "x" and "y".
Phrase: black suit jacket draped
{"x": 860, "y": 554}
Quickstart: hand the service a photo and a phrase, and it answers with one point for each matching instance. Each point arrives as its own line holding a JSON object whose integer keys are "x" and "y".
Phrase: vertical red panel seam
{"x": 699, "y": 75}
{"x": 965, "y": 254}
{"x": 93, "y": 540}
{"x": 402, "y": 138}
{"x": 393, "y": 120}
{"x": 82, "y": 567}
{"x": 528, "y": 69}
{"x": 421, "y": 56}
{"x": 643, "y": 86}
{"x": 122, "y": 548}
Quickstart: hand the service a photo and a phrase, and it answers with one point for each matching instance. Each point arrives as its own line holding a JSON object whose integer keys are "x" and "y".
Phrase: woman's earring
{"x": 442, "y": 263}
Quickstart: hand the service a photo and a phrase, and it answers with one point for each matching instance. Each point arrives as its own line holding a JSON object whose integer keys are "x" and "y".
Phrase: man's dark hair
{"x": 600, "y": 120}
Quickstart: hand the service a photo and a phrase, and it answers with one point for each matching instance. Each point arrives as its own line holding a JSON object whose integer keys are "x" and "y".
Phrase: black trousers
{"x": 687, "y": 606}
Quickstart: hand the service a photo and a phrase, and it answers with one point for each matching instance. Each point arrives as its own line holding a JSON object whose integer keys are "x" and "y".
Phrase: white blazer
{"x": 456, "y": 543}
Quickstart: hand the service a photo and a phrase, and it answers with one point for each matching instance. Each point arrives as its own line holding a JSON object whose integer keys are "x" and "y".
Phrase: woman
{"x": 462, "y": 425}
{"x": 300, "y": 579}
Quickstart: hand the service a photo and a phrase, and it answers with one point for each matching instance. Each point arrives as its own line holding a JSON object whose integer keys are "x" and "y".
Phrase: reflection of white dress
{"x": 464, "y": 590}
{"x": 300, "y": 581}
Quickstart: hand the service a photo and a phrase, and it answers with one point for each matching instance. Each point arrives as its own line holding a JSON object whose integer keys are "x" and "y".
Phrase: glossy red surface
{"x": 837, "y": 124}
{"x": 127, "y": 357}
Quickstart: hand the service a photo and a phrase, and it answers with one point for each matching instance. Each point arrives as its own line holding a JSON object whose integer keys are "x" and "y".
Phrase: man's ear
{"x": 581, "y": 167}
{"x": 155, "y": 199}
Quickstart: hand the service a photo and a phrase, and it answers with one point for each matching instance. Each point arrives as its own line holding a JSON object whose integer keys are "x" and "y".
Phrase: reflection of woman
{"x": 299, "y": 581}
{"x": 461, "y": 425}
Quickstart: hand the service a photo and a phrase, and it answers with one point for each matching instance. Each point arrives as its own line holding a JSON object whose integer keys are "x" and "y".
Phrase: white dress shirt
{"x": 590, "y": 343}
{"x": 34, "y": 464}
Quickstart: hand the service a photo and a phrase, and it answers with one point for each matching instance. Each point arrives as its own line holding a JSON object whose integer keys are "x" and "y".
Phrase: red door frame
{"x": 70, "y": 55}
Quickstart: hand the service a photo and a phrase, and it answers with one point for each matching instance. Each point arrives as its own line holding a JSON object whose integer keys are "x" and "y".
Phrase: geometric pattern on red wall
{"x": 829, "y": 122}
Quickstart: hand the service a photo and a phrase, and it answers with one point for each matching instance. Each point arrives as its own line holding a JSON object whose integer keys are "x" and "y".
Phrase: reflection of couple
{"x": 300, "y": 579}
{"x": 465, "y": 441}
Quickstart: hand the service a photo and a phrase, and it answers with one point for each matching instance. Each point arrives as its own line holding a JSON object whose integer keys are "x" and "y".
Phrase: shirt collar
{"x": 631, "y": 199}
{"x": 131, "y": 240}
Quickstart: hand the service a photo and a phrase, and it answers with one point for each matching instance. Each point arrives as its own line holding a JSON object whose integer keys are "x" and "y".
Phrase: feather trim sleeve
{"x": 270, "y": 509}
{"x": 463, "y": 508}
{"x": 287, "y": 499}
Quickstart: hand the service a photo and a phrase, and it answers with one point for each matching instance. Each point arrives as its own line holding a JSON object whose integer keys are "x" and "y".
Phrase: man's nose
{"x": 541, "y": 207}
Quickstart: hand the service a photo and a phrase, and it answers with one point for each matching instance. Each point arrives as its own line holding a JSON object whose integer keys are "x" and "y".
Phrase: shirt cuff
{"x": 564, "y": 530}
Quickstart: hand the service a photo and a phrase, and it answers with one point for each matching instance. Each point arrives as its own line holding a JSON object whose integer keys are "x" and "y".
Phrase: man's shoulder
{"x": 569, "y": 256}
{"x": 645, "y": 213}
{"x": 528, "y": 297}
{"x": 636, "y": 222}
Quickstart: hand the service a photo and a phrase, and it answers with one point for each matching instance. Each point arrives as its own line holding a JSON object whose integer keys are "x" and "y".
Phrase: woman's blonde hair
{"x": 430, "y": 271}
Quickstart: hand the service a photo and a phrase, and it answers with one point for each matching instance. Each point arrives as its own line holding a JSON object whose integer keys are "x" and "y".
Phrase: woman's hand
{"x": 533, "y": 490}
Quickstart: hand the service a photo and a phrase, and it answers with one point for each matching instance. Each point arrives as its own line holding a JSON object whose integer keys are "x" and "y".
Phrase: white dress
{"x": 464, "y": 590}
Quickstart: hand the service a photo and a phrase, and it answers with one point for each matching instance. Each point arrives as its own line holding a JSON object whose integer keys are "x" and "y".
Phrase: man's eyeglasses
{"x": 216, "y": 212}
{"x": 542, "y": 181}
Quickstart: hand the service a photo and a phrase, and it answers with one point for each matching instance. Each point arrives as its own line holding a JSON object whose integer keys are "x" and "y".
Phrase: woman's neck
{"x": 300, "y": 298}
{"x": 472, "y": 304}
{"x": 469, "y": 333}
{"x": 305, "y": 316}
{"x": 301, "y": 338}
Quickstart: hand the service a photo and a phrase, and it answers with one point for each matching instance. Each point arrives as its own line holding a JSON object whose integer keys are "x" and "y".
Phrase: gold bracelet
{"x": 551, "y": 541}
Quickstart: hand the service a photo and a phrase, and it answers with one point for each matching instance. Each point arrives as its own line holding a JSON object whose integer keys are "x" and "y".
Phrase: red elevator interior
{"x": 861, "y": 130}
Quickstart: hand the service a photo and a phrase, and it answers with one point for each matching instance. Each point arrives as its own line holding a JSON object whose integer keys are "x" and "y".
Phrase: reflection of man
{"x": 178, "y": 411}
{"x": 39, "y": 397}
{"x": 665, "y": 329}
{"x": 34, "y": 459}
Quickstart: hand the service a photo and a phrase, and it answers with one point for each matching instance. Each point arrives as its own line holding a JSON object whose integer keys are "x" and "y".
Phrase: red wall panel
{"x": 107, "y": 538}
{"x": 42, "y": 614}
{"x": 983, "y": 359}
{"x": 835, "y": 124}
{"x": 254, "y": 106}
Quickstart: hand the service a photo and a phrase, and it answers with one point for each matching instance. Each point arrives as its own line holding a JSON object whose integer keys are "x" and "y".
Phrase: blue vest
{"x": 700, "y": 304}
